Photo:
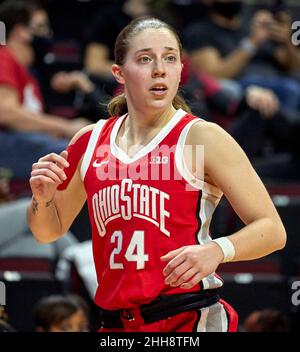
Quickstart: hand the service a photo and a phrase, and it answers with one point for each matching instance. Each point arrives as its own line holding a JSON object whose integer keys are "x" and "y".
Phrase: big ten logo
{"x": 2, "y": 294}
{"x": 2, "y": 33}
{"x": 296, "y": 34}
{"x": 296, "y": 294}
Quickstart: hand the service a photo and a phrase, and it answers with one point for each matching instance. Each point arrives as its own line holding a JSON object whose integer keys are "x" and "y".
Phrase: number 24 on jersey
{"x": 135, "y": 251}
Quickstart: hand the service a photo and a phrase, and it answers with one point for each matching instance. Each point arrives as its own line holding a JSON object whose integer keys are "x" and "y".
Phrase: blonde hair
{"x": 118, "y": 105}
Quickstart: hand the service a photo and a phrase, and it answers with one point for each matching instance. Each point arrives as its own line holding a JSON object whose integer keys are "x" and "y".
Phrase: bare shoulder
{"x": 82, "y": 132}
{"x": 218, "y": 144}
{"x": 207, "y": 133}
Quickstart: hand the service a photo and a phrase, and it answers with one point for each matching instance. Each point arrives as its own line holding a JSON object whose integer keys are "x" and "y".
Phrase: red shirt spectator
{"x": 13, "y": 74}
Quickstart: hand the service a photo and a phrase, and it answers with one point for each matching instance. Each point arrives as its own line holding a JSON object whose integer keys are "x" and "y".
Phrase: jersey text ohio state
{"x": 130, "y": 200}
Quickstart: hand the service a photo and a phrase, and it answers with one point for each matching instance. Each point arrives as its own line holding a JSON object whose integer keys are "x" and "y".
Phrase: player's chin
{"x": 160, "y": 103}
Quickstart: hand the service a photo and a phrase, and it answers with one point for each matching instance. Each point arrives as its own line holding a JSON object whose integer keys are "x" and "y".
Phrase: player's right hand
{"x": 47, "y": 174}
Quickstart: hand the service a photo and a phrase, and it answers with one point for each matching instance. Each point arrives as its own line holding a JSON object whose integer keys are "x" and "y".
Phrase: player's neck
{"x": 140, "y": 128}
{"x": 137, "y": 132}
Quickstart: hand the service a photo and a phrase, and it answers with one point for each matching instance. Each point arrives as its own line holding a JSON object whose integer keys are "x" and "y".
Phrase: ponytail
{"x": 118, "y": 105}
{"x": 180, "y": 103}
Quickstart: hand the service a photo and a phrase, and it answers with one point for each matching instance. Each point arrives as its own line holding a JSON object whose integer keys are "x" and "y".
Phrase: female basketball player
{"x": 150, "y": 203}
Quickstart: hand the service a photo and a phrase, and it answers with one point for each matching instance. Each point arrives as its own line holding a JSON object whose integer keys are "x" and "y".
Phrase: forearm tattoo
{"x": 47, "y": 204}
{"x": 35, "y": 205}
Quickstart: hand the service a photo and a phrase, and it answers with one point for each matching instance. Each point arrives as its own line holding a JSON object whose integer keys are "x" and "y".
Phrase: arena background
{"x": 249, "y": 286}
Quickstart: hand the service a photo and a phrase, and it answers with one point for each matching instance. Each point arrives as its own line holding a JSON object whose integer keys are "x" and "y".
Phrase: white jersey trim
{"x": 208, "y": 205}
{"x": 213, "y": 319}
{"x": 183, "y": 169}
{"x": 91, "y": 147}
{"x": 201, "y": 326}
{"x": 121, "y": 155}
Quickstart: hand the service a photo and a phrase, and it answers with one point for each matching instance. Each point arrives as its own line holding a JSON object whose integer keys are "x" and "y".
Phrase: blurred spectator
{"x": 224, "y": 47}
{"x": 266, "y": 320}
{"x": 95, "y": 84}
{"x": 42, "y": 45}
{"x": 58, "y": 313}
{"x": 213, "y": 98}
{"x": 4, "y": 326}
{"x": 41, "y": 32}
{"x": 66, "y": 81}
{"x": 26, "y": 133}
{"x": 253, "y": 115}
{"x": 99, "y": 53}
{"x": 90, "y": 100}
{"x": 256, "y": 116}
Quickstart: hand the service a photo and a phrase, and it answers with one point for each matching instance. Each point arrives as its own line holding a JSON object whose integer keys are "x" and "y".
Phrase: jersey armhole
{"x": 184, "y": 170}
{"x": 90, "y": 148}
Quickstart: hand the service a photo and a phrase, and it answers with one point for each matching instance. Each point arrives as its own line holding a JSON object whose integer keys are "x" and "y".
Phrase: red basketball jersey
{"x": 141, "y": 208}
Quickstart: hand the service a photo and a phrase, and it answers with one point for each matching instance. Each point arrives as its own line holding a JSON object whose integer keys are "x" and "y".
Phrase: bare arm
{"x": 52, "y": 212}
{"x": 227, "y": 166}
{"x": 231, "y": 171}
{"x": 97, "y": 59}
{"x": 209, "y": 60}
{"x": 16, "y": 117}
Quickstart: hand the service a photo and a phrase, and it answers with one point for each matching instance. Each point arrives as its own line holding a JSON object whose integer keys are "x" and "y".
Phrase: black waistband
{"x": 161, "y": 308}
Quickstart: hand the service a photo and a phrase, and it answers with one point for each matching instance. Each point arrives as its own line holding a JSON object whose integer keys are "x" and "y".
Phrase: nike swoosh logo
{"x": 96, "y": 164}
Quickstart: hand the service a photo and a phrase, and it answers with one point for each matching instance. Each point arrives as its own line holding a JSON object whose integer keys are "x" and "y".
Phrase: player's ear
{"x": 118, "y": 74}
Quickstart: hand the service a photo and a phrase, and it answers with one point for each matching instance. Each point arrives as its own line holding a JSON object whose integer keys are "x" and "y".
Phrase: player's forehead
{"x": 153, "y": 39}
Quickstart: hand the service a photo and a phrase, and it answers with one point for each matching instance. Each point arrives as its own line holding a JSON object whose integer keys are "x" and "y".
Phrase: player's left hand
{"x": 188, "y": 265}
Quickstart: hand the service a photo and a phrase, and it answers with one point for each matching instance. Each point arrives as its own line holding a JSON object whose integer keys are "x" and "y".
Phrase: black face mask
{"x": 228, "y": 9}
{"x": 41, "y": 46}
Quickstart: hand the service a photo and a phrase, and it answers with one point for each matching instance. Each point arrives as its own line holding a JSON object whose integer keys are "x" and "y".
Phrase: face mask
{"x": 41, "y": 46}
{"x": 228, "y": 9}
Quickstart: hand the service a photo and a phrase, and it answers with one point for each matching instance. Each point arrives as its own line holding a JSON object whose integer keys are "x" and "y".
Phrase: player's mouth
{"x": 159, "y": 89}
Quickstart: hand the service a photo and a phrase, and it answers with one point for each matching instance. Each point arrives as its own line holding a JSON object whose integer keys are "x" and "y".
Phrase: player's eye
{"x": 171, "y": 58}
{"x": 144, "y": 59}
